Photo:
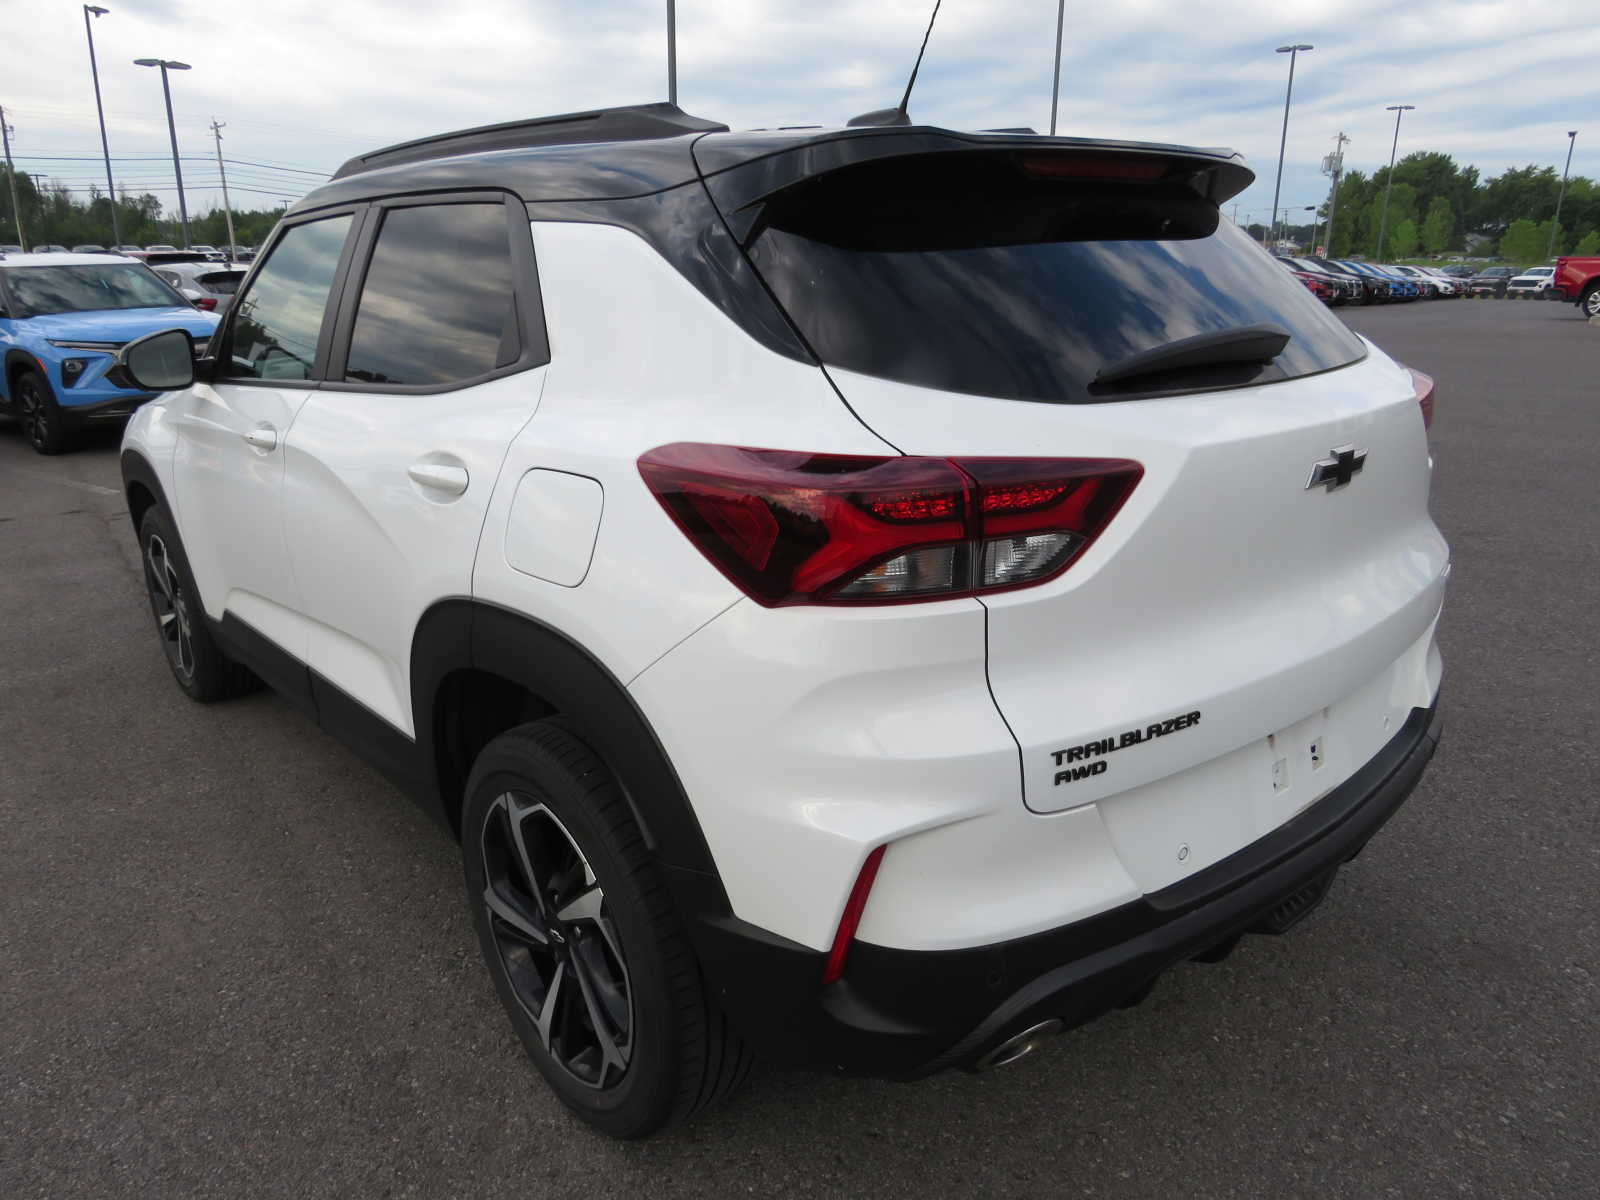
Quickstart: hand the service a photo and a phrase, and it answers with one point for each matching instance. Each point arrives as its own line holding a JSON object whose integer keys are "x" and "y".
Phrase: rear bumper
{"x": 906, "y": 1013}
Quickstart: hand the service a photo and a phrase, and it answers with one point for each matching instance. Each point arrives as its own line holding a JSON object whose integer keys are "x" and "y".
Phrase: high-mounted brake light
{"x": 1422, "y": 386}
{"x": 833, "y": 970}
{"x": 794, "y": 528}
{"x": 1073, "y": 166}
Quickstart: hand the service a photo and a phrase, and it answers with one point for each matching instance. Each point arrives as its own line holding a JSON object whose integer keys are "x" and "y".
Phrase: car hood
{"x": 120, "y": 324}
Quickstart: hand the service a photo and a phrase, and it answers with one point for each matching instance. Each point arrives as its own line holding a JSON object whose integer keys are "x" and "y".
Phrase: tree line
{"x": 1437, "y": 207}
{"x": 55, "y": 214}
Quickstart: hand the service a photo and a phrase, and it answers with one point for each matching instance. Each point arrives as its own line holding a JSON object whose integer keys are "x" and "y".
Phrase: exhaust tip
{"x": 1014, "y": 1049}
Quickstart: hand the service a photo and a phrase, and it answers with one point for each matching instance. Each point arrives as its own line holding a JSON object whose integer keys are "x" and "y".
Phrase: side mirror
{"x": 158, "y": 362}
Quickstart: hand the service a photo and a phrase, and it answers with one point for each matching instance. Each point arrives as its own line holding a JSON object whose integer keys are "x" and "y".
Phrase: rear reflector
{"x": 851, "y": 921}
{"x": 1422, "y": 385}
{"x": 789, "y": 527}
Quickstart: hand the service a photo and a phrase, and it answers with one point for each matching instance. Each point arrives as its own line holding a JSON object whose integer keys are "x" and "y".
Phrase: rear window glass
{"x": 998, "y": 275}
{"x": 225, "y": 282}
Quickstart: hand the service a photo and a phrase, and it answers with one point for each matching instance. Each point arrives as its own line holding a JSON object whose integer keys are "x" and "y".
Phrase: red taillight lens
{"x": 1422, "y": 385}
{"x": 1072, "y": 166}
{"x": 851, "y": 921}
{"x": 794, "y": 528}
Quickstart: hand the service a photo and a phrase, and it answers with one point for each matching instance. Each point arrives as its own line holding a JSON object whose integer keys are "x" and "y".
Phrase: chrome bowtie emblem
{"x": 1342, "y": 465}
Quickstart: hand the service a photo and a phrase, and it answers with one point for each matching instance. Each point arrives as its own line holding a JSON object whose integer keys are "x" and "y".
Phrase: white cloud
{"x": 307, "y": 84}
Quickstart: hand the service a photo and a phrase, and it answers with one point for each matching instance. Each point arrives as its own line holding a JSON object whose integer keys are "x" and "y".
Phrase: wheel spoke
{"x": 515, "y": 814}
{"x": 157, "y": 554}
{"x": 511, "y": 913}
{"x": 547, "y": 1010}
{"x": 611, "y": 1055}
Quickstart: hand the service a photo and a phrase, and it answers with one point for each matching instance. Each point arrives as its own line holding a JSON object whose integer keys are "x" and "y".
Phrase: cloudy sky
{"x": 303, "y": 84}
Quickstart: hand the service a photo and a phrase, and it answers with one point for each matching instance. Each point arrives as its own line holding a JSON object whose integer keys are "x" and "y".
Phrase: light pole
{"x": 1293, "y": 52}
{"x": 1399, "y": 110}
{"x": 672, "y": 52}
{"x": 172, "y": 130}
{"x": 1572, "y": 139}
{"x": 1055, "y": 87}
{"x": 90, "y": 11}
{"x": 11, "y": 175}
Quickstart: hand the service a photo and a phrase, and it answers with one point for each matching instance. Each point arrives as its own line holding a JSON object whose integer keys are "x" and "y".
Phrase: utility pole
{"x": 1055, "y": 88}
{"x": 216, "y": 131}
{"x": 11, "y": 175}
{"x": 1334, "y": 165}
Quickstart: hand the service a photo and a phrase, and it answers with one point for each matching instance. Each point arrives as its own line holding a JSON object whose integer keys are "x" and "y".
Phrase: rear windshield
{"x": 225, "y": 282}
{"x": 1000, "y": 275}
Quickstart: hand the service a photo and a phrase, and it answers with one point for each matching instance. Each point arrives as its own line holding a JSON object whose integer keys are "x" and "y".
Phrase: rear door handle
{"x": 262, "y": 437}
{"x": 439, "y": 477}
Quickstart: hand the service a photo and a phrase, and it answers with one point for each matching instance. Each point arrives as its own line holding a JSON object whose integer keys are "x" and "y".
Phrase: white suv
{"x": 862, "y": 597}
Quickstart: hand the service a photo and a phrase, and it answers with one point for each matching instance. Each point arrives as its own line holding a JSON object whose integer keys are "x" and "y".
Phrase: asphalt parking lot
{"x": 234, "y": 960}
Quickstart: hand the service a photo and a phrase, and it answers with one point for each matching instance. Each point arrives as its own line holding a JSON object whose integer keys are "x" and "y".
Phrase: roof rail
{"x": 634, "y": 122}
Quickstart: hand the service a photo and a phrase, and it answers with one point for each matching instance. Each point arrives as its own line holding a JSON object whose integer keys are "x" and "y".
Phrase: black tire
{"x": 36, "y": 410}
{"x": 1590, "y": 304}
{"x": 202, "y": 670}
{"x": 601, "y": 915}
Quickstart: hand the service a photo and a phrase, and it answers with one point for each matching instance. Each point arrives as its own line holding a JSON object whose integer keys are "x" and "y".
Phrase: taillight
{"x": 788, "y": 527}
{"x": 833, "y": 969}
{"x": 205, "y": 304}
{"x": 1422, "y": 386}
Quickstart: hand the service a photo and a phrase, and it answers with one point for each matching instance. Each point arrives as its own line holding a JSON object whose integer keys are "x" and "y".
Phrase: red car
{"x": 1320, "y": 288}
{"x": 1578, "y": 279}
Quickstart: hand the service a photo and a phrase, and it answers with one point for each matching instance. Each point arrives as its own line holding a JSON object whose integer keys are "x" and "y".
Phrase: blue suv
{"x": 62, "y": 319}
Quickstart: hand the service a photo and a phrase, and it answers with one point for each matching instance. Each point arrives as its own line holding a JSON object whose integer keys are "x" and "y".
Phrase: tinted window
{"x": 1007, "y": 275}
{"x": 36, "y": 291}
{"x": 280, "y": 317}
{"x": 437, "y": 306}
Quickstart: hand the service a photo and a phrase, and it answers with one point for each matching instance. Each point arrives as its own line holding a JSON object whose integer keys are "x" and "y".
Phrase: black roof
{"x": 645, "y": 149}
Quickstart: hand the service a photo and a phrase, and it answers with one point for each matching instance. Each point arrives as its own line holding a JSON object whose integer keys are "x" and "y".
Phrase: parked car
{"x": 127, "y": 249}
{"x": 1395, "y": 288}
{"x": 1578, "y": 279}
{"x": 159, "y": 246}
{"x": 1373, "y": 289}
{"x": 50, "y": 248}
{"x": 1459, "y": 271}
{"x": 1450, "y": 285}
{"x": 211, "y": 252}
{"x": 62, "y": 319}
{"x": 1346, "y": 289}
{"x": 1430, "y": 286}
{"x": 88, "y": 249}
{"x": 855, "y": 727}
{"x": 10, "y": 248}
{"x": 1532, "y": 281}
{"x": 1491, "y": 281}
{"x": 242, "y": 254}
{"x": 207, "y": 285}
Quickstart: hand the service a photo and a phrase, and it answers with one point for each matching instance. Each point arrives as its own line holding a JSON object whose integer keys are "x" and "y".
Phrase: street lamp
{"x": 168, "y": 65}
{"x": 1572, "y": 139}
{"x": 1293, "y": 52}
{"x": 1399, "y": 110}
{"x": 90, "y": 11}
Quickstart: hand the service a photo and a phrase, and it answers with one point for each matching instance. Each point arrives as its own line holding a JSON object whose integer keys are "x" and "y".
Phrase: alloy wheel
{"x": 171, "y": 606}
{"x": 32, "y": 413}
{"x": 1591, "y": 303}
{"x": 556, "y": 940}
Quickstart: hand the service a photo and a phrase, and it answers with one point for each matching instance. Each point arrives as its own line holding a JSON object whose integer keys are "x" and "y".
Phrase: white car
{"x": 1437, "y": 286}
{"x": 840, "y": 628}
{"x": 1532, "y": 280}
{"x": 207, "y": 285}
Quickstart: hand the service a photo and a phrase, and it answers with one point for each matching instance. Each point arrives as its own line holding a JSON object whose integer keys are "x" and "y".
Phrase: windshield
{"x": 39, "y": 291}
{"x": 1023, "y": 276}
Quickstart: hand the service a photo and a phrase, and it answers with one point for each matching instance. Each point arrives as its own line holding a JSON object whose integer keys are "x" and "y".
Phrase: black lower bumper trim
{"x": 118, "y": 408}
{"x": 904, "y": 1013}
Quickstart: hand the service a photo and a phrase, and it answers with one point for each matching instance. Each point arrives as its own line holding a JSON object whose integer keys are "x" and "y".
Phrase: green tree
{"x": 1588, "y": 244}
{"x": 1402, "y": 240}
{"x": 1438, "y": 231}
{"x": 1523, "y": 243}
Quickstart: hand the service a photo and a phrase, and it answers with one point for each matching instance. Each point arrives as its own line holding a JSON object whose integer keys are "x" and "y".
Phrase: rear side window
{"x": 280, "y": 317}
{"x": 1021, "y": 276}
{"x": 438, "y": 305}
